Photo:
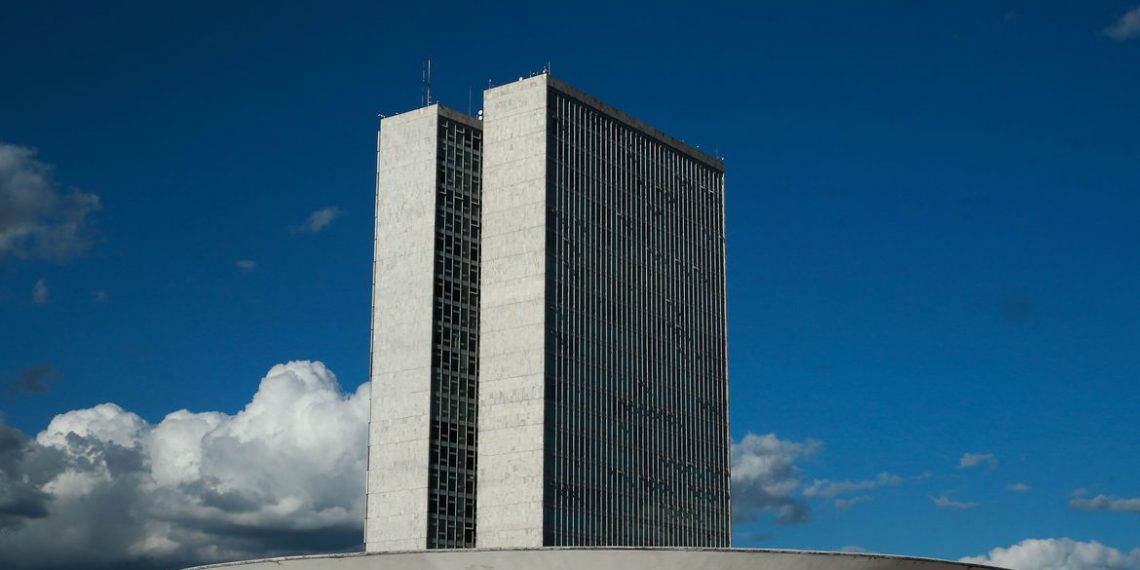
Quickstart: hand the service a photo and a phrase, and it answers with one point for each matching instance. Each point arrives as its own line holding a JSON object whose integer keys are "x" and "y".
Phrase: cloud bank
{"x": 37, "y": 219}
{"x": 1105, "y": 503}
{"x": 101, "y": 487}
{"x": 832, "y": 489}
{"x": 765, "y": 478}
{"x": 1059, "y": 554}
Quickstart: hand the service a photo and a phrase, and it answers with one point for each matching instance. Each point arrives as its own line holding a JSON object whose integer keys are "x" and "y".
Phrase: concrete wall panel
{"x": 402, "y": 332}
{"x": 511, "y": 379}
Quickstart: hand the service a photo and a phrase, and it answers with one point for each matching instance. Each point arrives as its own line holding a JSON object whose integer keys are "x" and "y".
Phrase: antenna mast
{"x": 425, "y": 99}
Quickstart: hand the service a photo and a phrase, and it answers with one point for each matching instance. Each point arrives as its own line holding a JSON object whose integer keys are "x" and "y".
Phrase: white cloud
{"x": 1128, "y": 26}
{"x": 40, "y": 293}
{"x": 831, "y": 489}
{"x": 765, "y": 478}
{"x": 319, "y": 219}
{"x": 945, "y": 502}
{"x": 969, "y": 460}
{"x": 1059, "y": 554}
{"x": 1018, "y": 487}
{"x": 843, "y": 504}
{"x": 105, "y": 488}
{"x": 1104, "y": 503}
{"x": 246, "y": 264}
{"x": 37, "y": 220}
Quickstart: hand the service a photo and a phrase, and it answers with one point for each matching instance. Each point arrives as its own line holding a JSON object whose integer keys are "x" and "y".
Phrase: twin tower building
{"x": 549, "y": 362}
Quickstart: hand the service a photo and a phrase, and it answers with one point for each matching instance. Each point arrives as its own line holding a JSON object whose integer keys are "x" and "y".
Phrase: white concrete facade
{"x": 549, "y": 155}
{"x": 511, "y": 375}
{"x": 401, "y": 372}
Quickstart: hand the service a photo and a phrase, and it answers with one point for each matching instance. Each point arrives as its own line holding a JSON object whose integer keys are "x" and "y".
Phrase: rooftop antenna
{"x": 546, "y": 69}
{"x": 426, "y": 98}
{"x": 469, "y": 100}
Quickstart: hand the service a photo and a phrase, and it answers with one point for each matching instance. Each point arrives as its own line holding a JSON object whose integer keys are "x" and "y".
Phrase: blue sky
{"x": 932, "y": 227}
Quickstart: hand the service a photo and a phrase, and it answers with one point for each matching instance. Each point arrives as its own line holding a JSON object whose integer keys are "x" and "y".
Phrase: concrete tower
{"x": 562, "y": 281}
{"x": 603, "y": 387}
{"x": 425, "y": 322}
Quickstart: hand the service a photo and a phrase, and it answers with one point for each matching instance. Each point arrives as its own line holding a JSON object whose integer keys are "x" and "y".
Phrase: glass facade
{"x": 636, "y": 440}
{"x": 455, "y": 338}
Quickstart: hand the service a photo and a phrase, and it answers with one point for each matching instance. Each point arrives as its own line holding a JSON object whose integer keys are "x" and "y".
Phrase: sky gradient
{"x": 933, "y": 225}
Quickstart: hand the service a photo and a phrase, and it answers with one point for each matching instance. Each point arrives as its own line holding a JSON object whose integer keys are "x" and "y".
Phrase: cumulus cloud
{"x": 765, "y": 478}
{"x": 40, "y": 293}
{"x": 37, "y": 219}
{"x": 969, "y": 460}
{"x": 33, "y": 380}
{"x": 1017, "y": 487}
{"x": 1128, "y": 26}
{"x": 319, "y": 219}
{"x": 945, "y": 502}
{"x": 832, "y": 489}
{"x": 102, "y": 487}
{"x": 23, "y": 470}
{"x": 1059, "y": 554}
{"x": 1104, "y": 503}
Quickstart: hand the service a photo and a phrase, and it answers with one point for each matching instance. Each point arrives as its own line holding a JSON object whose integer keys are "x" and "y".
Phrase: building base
{"x": 600, "y": 559}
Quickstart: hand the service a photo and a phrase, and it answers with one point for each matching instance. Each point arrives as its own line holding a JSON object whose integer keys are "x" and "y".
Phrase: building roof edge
{"x": 440, "y": 109}
{"x": 685, "y": 148}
